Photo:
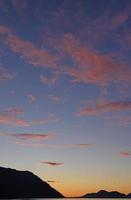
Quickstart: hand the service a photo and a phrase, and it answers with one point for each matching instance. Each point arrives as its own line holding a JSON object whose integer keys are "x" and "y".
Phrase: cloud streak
{"x": 52, "y": 164}
{"x": 31, "y": 136}
{"x": 125, "y": 153}
{"x": 106, "y": 107}
{"x": 50, "y": 181}
{"x": 15, "y": 117}
{"x": 54, "y": 146}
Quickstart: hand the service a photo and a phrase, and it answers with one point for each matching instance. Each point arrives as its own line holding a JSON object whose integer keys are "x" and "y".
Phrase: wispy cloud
{"x": 5, "y": 74}
{"x": 54, "y": 98}
{"x": 33, "y": 55}
{"x": 49, "y": 80}
{"x": 51, "y": 118}
{"x": 31, "y": 97}
{"x": 106, "y": 107}
{"x": 125, "y": 153}
{"x": 59, "y": 146}
{"x": 91, "y": 66}
{"x": 14, "y": 110}
{"x": 52, "y": 163}
{"x": 13, "y": 116}
{"x": 32, "y": 138}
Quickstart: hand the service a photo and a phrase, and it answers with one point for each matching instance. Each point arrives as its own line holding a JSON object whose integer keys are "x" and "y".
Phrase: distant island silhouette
{"x": 16, "y": 184}
{"x": 106, "y": 194}
{"x": 24, "y": 184}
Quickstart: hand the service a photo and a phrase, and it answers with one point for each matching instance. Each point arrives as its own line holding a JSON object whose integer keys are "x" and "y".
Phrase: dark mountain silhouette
{"x": 24, "y": 184}
{"x": 129, "y": 195}
{"x": 105, "y": 194}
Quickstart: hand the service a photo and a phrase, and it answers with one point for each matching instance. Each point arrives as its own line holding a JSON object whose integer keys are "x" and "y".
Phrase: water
{"x": 70, "y": 199}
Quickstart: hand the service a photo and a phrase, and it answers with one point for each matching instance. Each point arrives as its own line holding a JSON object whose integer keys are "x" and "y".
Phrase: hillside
{"x": 24, "y": 184}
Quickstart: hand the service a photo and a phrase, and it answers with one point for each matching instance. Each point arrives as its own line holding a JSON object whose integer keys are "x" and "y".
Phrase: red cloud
{"x": 125, "y": 153}
{"x": 30, "y": 136}
{"x": 106, "y": 107}
{"x": 5, "y": 74}
{"x": 52, "y": 163}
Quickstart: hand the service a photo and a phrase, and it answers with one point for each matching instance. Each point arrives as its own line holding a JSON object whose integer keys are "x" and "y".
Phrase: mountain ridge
{"x": 24, "y": 184}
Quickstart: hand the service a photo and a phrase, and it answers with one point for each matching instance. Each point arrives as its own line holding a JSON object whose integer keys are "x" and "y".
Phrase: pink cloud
{"x": 125, "y": 153}
{"x": 62, "y": 146}
{"x": 5, "y": 74}
{"x": 31, "y": 98}
{"x": 49, "y": 80}
{"x": 33, "y": 55}
{"x": 52, "y": 163}
{"x": 54, "y": 98}
{"x": 14, "y": 110}
{"x": 30, "y": 136}
{"x": 81, "y": 145}
{"x": 106, "y": 107}
{"x": 12, "y": 116}
{"x": 11, "y": 120}
{"x": 5, "y": 31}
{"x": 91, "y": 67}
{"x": 15, "y": 116}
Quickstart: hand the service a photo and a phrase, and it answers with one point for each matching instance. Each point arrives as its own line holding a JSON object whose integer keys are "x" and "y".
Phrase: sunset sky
{"x": 65, "y": 92}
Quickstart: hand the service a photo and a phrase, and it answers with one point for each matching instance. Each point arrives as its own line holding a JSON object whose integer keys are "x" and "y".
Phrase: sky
{"x": 65, "y": 100}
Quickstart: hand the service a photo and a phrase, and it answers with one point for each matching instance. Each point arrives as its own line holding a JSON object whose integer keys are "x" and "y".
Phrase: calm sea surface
{"x": 69, "y": 199}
